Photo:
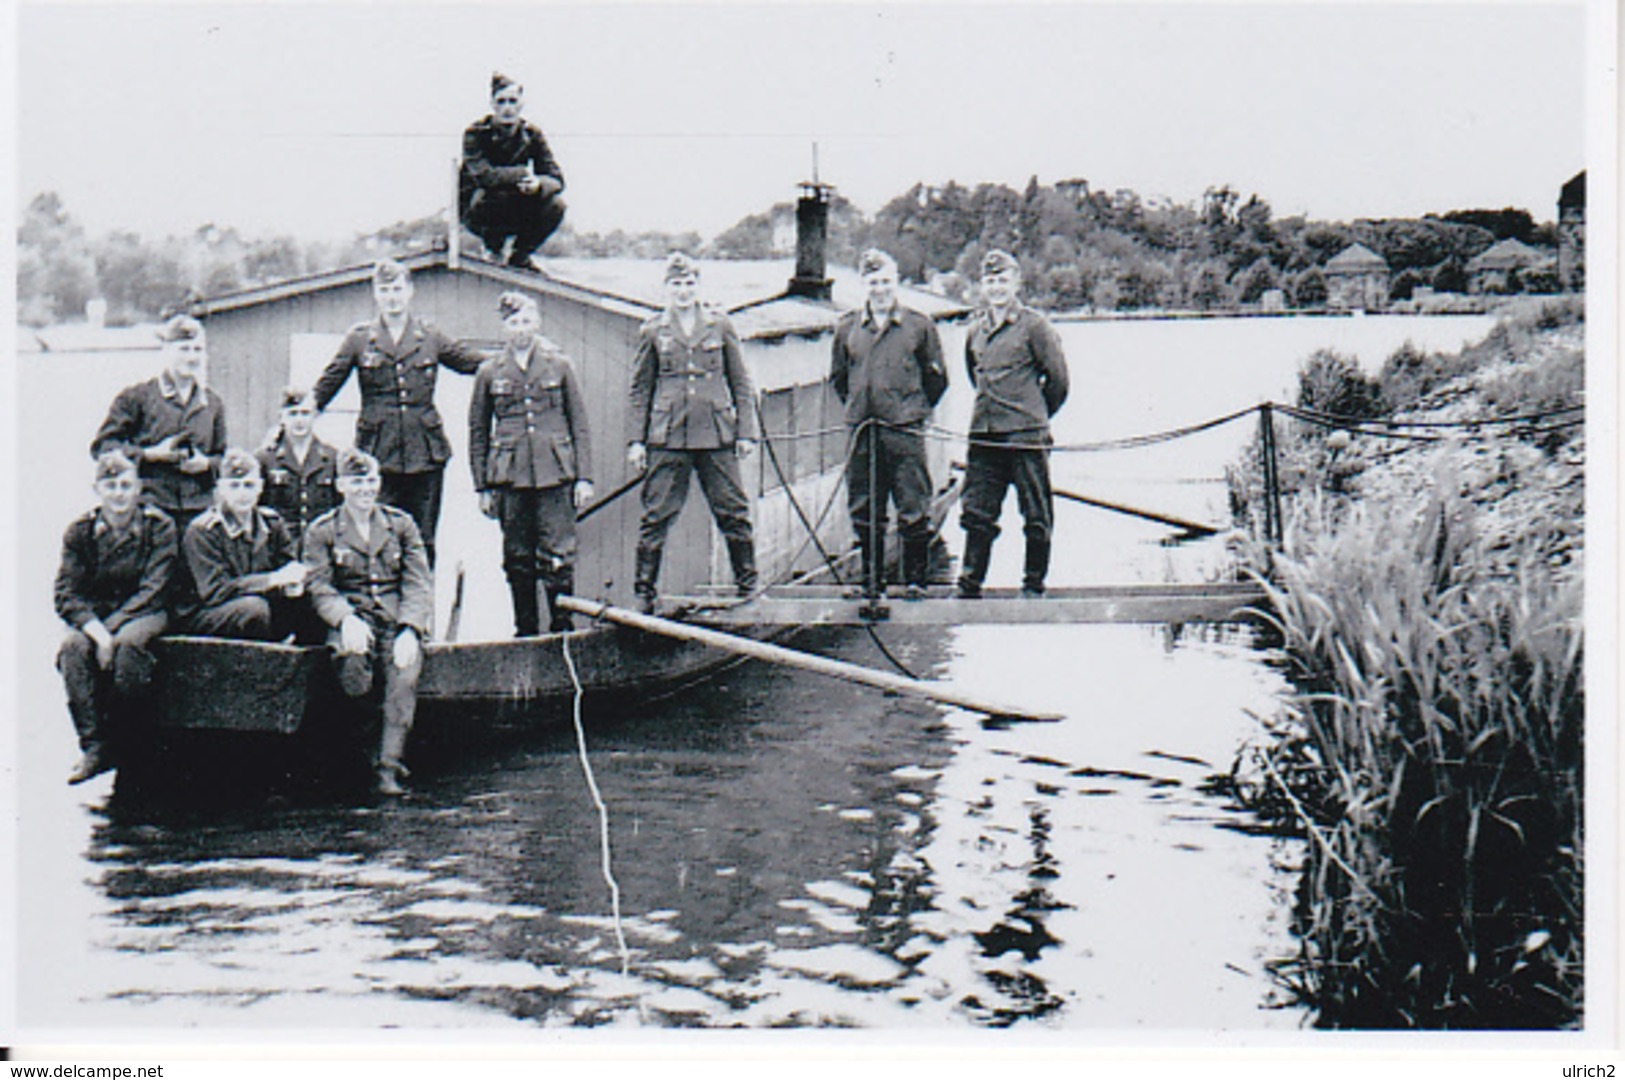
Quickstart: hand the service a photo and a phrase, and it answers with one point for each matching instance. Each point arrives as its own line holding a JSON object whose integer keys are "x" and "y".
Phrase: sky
{"x": 326, "y": 121}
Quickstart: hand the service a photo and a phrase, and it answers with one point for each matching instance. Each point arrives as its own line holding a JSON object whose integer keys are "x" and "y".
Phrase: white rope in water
{"x": 598, "y": 800}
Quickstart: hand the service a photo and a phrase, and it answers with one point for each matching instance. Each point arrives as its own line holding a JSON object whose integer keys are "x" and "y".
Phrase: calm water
{"x": 789, "y": 851}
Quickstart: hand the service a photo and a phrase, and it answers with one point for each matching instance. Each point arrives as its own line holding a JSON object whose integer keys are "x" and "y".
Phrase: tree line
{"x": 1078, "y": 246}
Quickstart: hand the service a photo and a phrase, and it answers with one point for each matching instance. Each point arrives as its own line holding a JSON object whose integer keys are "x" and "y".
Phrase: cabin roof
{"x": 1508, "y": 253}
{"x": 1354, "y": 259}
{"x": 84, "y": 337}
{"x": 752, "y": 290}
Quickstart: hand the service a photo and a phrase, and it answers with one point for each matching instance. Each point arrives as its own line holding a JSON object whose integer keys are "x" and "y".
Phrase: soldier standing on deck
{"x": 1015, "y": 362}
{"x": 509, "y": 184}
{"x": 529, "y": 447}
{"x": 693, "y": 412}
{"x": 397, "y": 357}
{"x": 886, "y": 367}
{"x": 370, "y": 583}
{"x": 299, "y": 469}
{"x": 116, "y": 563}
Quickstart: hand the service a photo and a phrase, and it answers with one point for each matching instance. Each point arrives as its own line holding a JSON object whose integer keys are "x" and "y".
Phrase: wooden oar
{"x": 586, "y": 512}
{"x": 1194, "y": 527}
{"x": 455, "y": 621}
{"x": 778, "y": 654}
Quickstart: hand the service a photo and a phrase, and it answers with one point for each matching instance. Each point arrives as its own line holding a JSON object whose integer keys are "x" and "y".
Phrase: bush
{"x": 1329, "y": 382}
{"x": 1409, "y": 375}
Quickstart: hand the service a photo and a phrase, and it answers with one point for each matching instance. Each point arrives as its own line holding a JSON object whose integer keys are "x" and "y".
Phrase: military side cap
{"x": 500, "y": 82}
{"x": 511, "y": 303}
{"x": 112, "y": 463}
{"x": 875, "y": 260}
{"x": 181, "y": 328}
{"x": 293, "y": 395}
{"x": 999, "y": 262}
{"x": 388, "y": 271}
{"x": 353, "y": 462}
{"x": 679, "y": 264}
{"x": 238, "y": 464}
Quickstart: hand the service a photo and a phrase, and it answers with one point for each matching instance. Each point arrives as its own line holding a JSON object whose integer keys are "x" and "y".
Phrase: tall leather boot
{"x": 973, "y": 567}
{"x": 1036, "y": 568}
{"x": 742, "y": 555}
{"x": 916, "y": 561}
{"x": 527, "y": 620}
{"x": 391, "y": 751}
{"x": 561, "y": 583}
{"x": 95, "y": 758}
{"x": 646, "y": 572}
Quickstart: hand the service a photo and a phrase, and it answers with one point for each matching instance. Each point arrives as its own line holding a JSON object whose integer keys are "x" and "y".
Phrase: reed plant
{"x": 1434, "y": 759}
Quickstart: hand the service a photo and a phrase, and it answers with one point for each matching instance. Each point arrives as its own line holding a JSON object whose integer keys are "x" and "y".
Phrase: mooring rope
{"x": 598, "y": 801}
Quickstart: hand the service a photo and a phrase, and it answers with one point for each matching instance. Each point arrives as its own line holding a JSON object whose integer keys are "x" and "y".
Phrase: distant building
{"x": 1356, "y": 278}
{"x": 1571, "y": 234}
{"x": 1491, "y": 270}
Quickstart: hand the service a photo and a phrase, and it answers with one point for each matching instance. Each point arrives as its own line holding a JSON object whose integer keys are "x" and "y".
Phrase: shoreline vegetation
{"x": 1428, "y": 609}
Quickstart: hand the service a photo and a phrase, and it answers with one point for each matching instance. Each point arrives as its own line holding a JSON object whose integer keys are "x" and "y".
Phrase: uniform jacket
{"x": 384, "y": 579}
{"x": 495, "y": 158}
{"x": 1019, "y": 372}
{"x": 889, "y": 369}
{"x": 227, "y": 561}
{"x": 299, "y": 491}
{"x": 399, "y": 424}
{"x": 149, "y": 412}
{"x": 114, "y": 575}
{"x": 691, "y": 393}
{"x": 527, "y": 426}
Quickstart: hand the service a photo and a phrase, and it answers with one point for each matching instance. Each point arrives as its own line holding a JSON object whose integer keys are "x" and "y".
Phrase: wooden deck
{"x": 818, "y": 605}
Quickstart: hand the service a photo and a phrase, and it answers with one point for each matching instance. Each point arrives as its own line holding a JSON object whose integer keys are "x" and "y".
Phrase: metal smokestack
{"x": 812, "y": 238}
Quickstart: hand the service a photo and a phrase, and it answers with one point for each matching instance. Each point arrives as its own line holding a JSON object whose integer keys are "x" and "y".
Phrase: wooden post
{"x": 454, "y": 221}
{"x": 777, "y": 654}
{"x": 1273, "y": 529}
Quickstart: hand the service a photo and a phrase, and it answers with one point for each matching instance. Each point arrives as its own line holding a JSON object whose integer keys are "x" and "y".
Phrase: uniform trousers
{"x": 529, "y": 219}
{"x": 889, "y": 465}
{"x": 665, "y": 490}
{"x": 271, "y": 617}
{"x": 373, "y": 675}
{"x": 989, "y": 473}
{"x": 418, "y": 494}
{"x": 538, "y": 532}
{"x": 90, "y": 687}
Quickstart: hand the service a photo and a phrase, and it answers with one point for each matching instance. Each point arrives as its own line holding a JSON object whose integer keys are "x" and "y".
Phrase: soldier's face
{"x": 119, "y": 494}
{"x": 522, "y": 325}
{"x": 882, "y": 286}
{"x": 299, "y": 418}
{"x": 238, "y": 493}
{"x": 186, "y": 359}
{"x": 683, "y": 290}
{"x": 393, "y": 297}
{"x": 360, "y": 493}
{"x": 507, "y": 104}
{"x": 1000, "y": 288}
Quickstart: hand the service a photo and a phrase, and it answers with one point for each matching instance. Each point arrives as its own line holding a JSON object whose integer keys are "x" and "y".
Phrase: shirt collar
{"x": 894, "y": 317}
{"x": 995, "y": 320}
{"x": 168, "y": 387}
{"x": 104, "y": 526}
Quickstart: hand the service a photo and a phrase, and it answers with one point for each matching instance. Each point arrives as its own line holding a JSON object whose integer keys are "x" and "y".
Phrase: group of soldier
{"x": 300, "y": 542}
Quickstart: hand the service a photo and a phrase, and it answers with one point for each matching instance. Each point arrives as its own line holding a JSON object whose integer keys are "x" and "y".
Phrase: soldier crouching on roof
{"x": 693, "y": 413}
{"x": 530, "y": 450}
{"x": 370, "y": 583}
{"x": 110, "y": 590}
{"x": 397, "y": 357}
{"x": 249, "y": 582}
{"x": 509, "y": 183}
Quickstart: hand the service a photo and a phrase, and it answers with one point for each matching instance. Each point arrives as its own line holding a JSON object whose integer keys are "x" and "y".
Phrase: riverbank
{"x": 1429, "y": 603}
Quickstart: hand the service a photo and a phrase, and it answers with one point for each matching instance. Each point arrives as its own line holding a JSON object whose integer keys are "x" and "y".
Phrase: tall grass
{"x": 1436, "y": 763}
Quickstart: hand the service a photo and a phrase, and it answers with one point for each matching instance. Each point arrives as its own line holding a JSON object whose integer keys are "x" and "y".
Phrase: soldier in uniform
{"x": 172, "y": 426}
{"x": 1015, "y": 362}
{"x": 243, "y": 560}
{"x": 397, "y": 357}
{"x": 529, "y": 448}
{"x": 299, "y": 469}
{"x": 886, "y": 367}
{"x": 509, "y": 184}
{"x": 116, "y": 562}
{"x": 693, "y": 413}
{"x": 370, "y": 583}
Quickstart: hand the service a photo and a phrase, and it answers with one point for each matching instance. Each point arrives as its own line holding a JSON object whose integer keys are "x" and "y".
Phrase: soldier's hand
{"x": 583, "y": 493}
{"x": 746, "y": 447}
{"x": 165, "y": 451}
{"x": 196, "y": 463}
{"x": 407, "y": 648}
{"x": 637, "y": 457}
{"x": 355, "y": 636}
{"x": 529, "y": 184}
{"x": 548, "y": 187}
{"x": 488, "y": 503}
{"x": 103, "y": 640}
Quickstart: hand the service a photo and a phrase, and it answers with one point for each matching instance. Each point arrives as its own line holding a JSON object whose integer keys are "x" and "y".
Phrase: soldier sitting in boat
{"x": 509, "y": 184}
{"x": 110, "y": 590}
{"x": 886, "y": 367}
{"x": 1015, "y": 361}
{"x": 298, "y": 468}
{"x": 529, "y": 448}
{"x": 397, "y": 358}
{"x": 173, "y": 426}
{"x": 243, "y": 561}
{"x": 370, "y": 583}
{"x": 693, "y": 413}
